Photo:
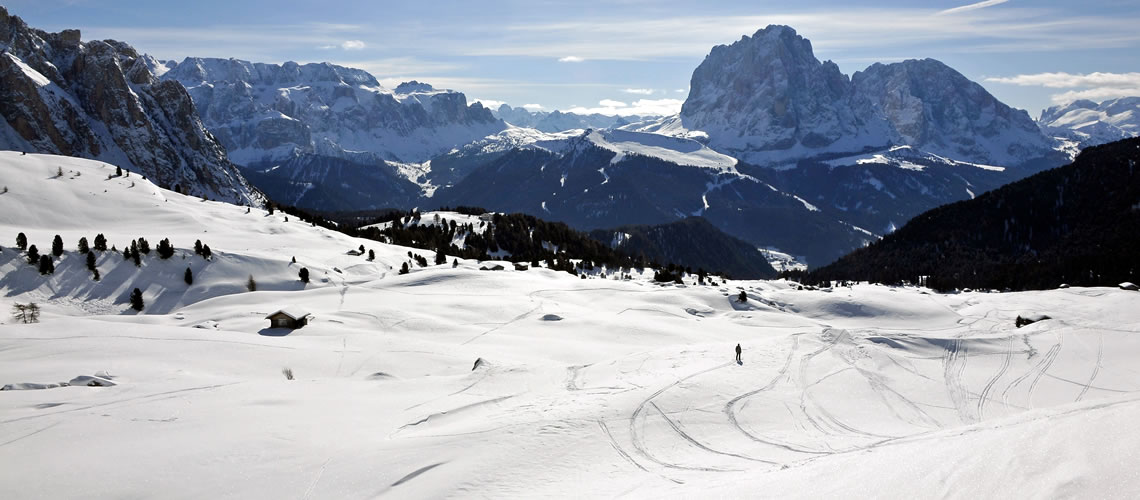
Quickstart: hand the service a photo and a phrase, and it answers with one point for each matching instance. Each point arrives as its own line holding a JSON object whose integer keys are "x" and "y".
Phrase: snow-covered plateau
{"x": 450, "y": 381}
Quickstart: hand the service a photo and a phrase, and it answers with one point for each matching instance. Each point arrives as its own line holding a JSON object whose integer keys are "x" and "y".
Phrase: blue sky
{"x": 629, "y": 56}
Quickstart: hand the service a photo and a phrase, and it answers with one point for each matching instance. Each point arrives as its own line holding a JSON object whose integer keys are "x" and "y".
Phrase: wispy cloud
{"x": 1069, "y": 80}
{"x": 571, "y": 59}
{"x": 352, "y": 45}
{"x": 1094, "y": 86}
{"x": 532, "y": 107}
{"x": 641, "y": 107}
{"x": 639, "y": 91}
{"x": 973, "y": 6}
{"x": 488, "y": 103}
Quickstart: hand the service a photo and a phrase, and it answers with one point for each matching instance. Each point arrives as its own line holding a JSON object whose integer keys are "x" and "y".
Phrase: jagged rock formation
{"x": 766, "y": 99}
{"x": 100, "y": 100}
{"x": 557, "y": 121}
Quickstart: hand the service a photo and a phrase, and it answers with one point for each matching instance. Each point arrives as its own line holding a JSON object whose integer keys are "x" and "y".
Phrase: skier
{"x": 738, "y": 360}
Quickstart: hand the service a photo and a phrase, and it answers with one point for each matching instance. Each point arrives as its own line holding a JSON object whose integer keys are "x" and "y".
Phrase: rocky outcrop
{"x": 1088, "y": 123}
{"x": 100, "y": 100}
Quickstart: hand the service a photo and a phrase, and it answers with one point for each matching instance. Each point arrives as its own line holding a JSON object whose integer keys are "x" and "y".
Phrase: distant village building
{"x": 289, "y": 317}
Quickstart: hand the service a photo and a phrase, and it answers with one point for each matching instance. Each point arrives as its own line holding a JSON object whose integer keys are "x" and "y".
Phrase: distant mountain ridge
{"x": 100, "y": 100}
{"x": 558, "y": 121}
{"x": 1088, "y": 123}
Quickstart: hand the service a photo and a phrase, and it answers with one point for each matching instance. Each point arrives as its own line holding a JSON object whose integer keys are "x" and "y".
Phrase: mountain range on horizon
{"x": 858, "y": 155}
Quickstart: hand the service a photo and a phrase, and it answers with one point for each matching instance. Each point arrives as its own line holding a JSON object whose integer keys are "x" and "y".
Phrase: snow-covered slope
{"x": 99, "y": 99}
{"x": 459, "y": 382}
{"x": 1089, "y": 124}
{"x": 268, "y": 112}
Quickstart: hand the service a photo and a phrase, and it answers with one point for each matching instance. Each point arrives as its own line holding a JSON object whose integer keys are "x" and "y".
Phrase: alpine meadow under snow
{"x": 452, "y": 381}
{"x": 222, "y": 278}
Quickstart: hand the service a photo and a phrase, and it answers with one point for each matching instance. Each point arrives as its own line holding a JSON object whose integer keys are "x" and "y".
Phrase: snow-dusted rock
{"x": 1088, "y": 123}
{"x": 100, "y": 99}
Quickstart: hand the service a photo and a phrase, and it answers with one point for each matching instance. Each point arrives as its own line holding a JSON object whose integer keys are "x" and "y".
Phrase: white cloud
{"x": 639, "y": 91}
{"x": 973, "y": 6}
{"x": 681, "y": 91}
{"x": 571, "y": 59}
{"x": 352, "y": 45}
{"x": 1071, "y": 80}
{"x": 640, "y": 107}
{"x": 532, "y": 107}
{"x": 488, "y": 103}
{"x": 1100, "y": 94}
{"x": 1095, "y": 86}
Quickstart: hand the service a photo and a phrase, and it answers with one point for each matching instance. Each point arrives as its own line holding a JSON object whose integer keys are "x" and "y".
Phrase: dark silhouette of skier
{"x": 738, "y": 360}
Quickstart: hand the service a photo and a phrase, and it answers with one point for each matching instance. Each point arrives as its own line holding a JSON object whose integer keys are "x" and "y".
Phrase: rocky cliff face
{"x": 767, "y": 100}
{"x": 931, "y": 106}
{"x": 269, "y": 112}
{"x": 100, "y": 99}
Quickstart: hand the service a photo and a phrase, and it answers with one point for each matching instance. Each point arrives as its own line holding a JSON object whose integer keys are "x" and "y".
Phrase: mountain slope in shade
{"x": 100, "y": 100}
{"x": 1077, "y": 224}
{"x": 692, "y": 242}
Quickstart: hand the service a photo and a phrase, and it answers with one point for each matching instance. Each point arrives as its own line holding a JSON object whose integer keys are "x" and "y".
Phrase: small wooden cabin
{"x": 289, "y": 317}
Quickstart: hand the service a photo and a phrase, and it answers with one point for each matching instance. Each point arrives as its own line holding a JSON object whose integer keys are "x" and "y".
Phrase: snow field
{"x": 586, "y": 387}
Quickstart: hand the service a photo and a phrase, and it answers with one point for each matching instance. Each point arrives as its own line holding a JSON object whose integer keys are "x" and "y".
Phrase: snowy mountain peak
{"x": 767, "y": 99}
{"x": 413, "y": 87}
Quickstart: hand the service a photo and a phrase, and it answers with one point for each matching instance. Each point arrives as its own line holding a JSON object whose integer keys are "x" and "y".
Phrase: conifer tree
{"x": 135, "y": 256}
{"x": 137, "y": 300}
{"x": 144, "y": 246}
{"x": 206, "y": 253}
{"x": 304, "y": 275}
{"x": 21, "y": 241}
{"x": 119, "y": 171}
{"x": 83, "y": 247}
{"x": 33, "y": 255}
{"x": 100, "y": 242}
{"x": 188, "y": 277}
{"x": 404, "y": 268}
{"x": 197, "y": 247}
{"x": 46, "y": 265}
{"x": 90, "y": 261}
{"x": 251, "y": 285}
{"x": 126, "y": 254}
{"x": 95, "y": 276}
{"x": 57, "y": 246}
{"x": 165, "y": 249}
{"x": 371, "y": 254}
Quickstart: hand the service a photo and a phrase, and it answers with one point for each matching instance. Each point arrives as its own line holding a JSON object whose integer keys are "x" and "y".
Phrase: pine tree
{"x": 95, "y": 276}
{"x": 46, "y": 265}
{"x": 371, "y": 254}
{"x": 100, "y": 242}
{"x": 251, "y": 285}
{"x": 440, "y": 256}
{"x": 90, "y": 261}
{"x": 126, "y": 254}
{"x": 33, "y": 255}
{"x": 361, "y": 249}
{"x": 137, "y": 300}
{"x": 83, "y": 247}
{"x": 188, "y": 277}
{"x": 269, "y": 207}
{"x": 165, "y": 249}
{"x": 206, "y": 253}
{"x": 135, "y": 256}
{"x": 21, "y": 241}
{"x": 304, "y": 275}
{"x": 118, "y": 171}
{"x": 743, "y": 297}
{"x": 404, "y": 268}
{"x": 197, "y": 247}
{"x": 57, "y": 246}
{"x": 454, "y": 263}
{"x": 294, "y": 261}
{"x": 144, "y": 246}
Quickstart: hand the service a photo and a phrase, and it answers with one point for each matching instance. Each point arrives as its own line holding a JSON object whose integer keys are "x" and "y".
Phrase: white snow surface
{"x": 868, "y": 391}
